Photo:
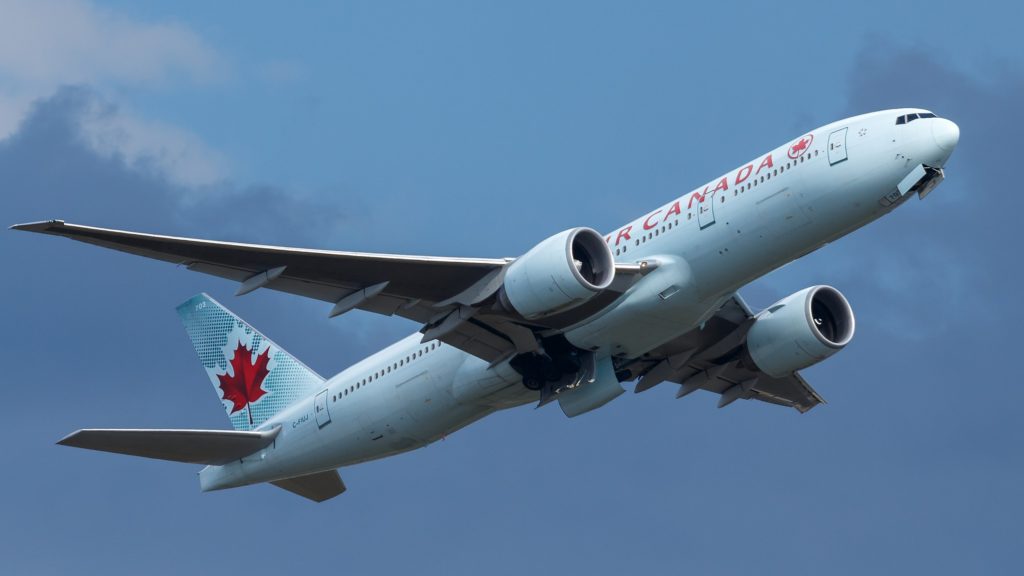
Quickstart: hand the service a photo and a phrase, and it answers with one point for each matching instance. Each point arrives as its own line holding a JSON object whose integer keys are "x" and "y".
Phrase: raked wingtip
{"x": 41, "y": 226}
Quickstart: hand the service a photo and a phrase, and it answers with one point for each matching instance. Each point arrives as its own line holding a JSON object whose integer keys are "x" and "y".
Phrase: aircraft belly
{"x": 664, "y": 304}
{"x": 425, "y": 407}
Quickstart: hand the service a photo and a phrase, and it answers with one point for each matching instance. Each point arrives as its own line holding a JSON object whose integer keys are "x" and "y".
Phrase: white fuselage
{"x": 707, "y": 244}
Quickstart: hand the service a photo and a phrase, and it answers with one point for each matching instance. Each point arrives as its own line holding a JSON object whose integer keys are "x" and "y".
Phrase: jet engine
{"x": 800, "y": 330}
{"x": 561, "y": 272}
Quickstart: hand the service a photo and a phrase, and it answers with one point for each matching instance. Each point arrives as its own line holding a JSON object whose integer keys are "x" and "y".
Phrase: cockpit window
{"x": 908, "y": 118}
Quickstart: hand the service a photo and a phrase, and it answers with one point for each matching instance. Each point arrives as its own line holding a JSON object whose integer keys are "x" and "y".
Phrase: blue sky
{"x": 473, "y": 128}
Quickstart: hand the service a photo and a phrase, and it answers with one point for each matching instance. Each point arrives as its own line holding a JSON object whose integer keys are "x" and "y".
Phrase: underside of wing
{"x": 321, "y": 274}
{"x": 453, "y": 298}
{"x": 713, "y": 358}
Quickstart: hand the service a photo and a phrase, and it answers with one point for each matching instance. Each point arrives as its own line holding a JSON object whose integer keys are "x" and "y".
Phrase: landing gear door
{"x": 706, "y": 211}
{"x": 837, "y": 146}
{"x": 323, "y": 416}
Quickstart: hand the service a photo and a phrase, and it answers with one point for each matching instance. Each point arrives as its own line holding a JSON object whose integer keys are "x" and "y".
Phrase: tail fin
{"x": 254, "y": 377}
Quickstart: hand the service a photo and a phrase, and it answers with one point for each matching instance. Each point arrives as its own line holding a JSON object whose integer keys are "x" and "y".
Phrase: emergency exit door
{"x": 323, "y": 416}
{"x": 706, "y": 211}
{"x": 837, "y": 147}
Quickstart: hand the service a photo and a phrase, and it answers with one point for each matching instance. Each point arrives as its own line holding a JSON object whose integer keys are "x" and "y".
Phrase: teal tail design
{"x": 253, "y": 377}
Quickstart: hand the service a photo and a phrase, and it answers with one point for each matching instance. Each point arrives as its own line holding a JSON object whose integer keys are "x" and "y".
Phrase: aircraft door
{"x": 706, "y": 211}
{"x": 837, "y": 147}
{"x": 323, "y": 415}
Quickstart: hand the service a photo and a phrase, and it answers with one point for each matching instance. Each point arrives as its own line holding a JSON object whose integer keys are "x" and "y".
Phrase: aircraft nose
{"x": 946, "y": 134}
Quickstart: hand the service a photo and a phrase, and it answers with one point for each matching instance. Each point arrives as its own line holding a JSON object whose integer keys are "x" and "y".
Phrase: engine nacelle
{"x": 561, "y": 272}
{"x": 800, "y": 330}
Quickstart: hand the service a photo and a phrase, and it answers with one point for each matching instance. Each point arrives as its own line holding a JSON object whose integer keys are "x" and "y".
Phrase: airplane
{"x": 569, "y": 321}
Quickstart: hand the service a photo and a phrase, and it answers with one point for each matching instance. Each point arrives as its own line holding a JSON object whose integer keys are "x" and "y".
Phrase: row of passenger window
{"x": 387, "y": 370}
{"x": 908, "y": 118}
{"x": 735, "y": 192}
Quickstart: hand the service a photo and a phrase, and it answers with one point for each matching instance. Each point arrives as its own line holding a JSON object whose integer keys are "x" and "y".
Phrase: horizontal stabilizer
{"x": 317, "y": 487}
{"x": 213, "y": 447}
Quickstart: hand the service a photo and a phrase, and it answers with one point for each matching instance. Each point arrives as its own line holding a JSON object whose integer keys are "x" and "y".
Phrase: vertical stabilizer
{"x": 253, "y": 377}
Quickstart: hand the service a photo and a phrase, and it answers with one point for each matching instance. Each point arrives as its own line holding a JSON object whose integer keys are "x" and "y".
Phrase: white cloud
{"x": 49, "y": 42}
{"x": 46, "y": 44}
{"x": 143, "y": 144}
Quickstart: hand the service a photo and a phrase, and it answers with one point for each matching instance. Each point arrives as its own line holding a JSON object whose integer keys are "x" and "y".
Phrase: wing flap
{"x": 735, "y": 383}
{"x": 211, "y": 447}
{"x": 317, "y": 487}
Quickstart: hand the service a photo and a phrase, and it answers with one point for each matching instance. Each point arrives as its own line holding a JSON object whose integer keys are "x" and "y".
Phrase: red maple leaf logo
{"x": 797, "y": 149}
{"x": 244, "y": 387}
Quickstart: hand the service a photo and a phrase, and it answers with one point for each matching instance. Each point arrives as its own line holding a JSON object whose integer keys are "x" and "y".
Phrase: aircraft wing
{"x": 446, "y": 295}
{"x": 713, "y": 358}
